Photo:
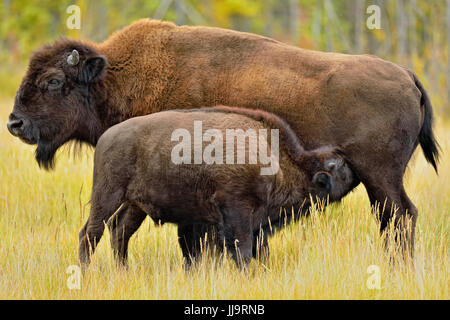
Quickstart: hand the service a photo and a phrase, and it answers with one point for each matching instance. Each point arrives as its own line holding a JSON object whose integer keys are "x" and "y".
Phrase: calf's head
{"x": 55, "y": 101}
{"x": 329, "y": 174}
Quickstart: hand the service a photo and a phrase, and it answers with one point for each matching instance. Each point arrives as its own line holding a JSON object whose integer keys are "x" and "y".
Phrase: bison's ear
{"x": 93, "y": 69}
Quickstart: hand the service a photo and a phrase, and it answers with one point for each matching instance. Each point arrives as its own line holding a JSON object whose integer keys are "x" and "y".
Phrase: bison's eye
{"x": 54, "y": 84}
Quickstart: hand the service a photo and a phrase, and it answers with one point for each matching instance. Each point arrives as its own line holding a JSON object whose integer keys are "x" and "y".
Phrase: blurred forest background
{"x": 413, "y": 33}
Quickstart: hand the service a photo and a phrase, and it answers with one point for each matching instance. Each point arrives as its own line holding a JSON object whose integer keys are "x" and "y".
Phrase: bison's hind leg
{"x": 392, "y": 205}
{"x": 122, "y": 225}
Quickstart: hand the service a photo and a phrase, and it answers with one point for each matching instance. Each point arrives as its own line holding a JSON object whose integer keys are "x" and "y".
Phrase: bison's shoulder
{"x": 139, "y": 29}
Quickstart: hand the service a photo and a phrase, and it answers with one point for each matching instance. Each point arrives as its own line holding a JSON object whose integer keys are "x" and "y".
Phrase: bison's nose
{"x": 15, "y": 126}
{"x": 322, "y": 180}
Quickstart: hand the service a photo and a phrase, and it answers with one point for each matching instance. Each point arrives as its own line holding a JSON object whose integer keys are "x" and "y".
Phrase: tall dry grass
{"x": 324, "y": 257}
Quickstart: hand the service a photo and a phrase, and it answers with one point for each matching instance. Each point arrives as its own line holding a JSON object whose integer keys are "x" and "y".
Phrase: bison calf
{"x": 140, "y": 170}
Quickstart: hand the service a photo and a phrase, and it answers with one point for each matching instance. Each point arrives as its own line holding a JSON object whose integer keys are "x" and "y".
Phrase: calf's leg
{"x": 103, "y": 206}
{"x": 192, "y": 239}
{"x": 238, "y": 232}
{"x": 122, "y": 226}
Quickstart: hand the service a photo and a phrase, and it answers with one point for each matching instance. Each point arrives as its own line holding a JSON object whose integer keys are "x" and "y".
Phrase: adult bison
{"x": 376, "y": 112}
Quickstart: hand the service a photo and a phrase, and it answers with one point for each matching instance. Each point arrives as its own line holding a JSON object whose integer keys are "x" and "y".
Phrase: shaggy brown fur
{"x": 133, "y": 170}
{"x": 375, "y": 111}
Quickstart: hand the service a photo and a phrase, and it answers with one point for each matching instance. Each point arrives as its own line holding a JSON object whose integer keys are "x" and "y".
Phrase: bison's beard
{"x": 45, "y": 154}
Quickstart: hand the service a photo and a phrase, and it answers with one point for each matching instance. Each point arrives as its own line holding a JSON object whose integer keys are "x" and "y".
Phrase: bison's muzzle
{"x": 21, "y": 128}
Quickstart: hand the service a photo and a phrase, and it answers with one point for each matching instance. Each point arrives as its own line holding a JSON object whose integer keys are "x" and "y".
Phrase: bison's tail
{"x": 427, "y": 140}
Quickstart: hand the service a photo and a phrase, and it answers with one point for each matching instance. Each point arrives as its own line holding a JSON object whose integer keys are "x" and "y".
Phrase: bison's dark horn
{"x": 73, "y": 58}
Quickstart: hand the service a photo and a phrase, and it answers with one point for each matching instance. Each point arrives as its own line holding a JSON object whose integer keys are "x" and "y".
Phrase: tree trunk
{"x": 317, "y": 25}
{"x": 358, "y": 15}
{"x": 294, "y": 22}
{"x": 401, "y": 31}
{"x": 448, "y": 51}
{"x": 268, "y": 17}
{"x": 412, "y": 28}
{"x": 180, "y": 15}
{"x": 329, "y": 45}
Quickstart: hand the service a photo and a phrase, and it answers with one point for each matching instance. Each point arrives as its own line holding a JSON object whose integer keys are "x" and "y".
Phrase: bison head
{"x": 55, "y": 102}
{"x": 330, "y": 174}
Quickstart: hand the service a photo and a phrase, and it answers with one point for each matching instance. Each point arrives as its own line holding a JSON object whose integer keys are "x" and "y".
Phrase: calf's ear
{"x": 93, "y": 69}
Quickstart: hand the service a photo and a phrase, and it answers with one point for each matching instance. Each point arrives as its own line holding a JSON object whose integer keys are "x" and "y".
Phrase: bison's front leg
{"x": 122, "y": 226}
{"x": 89, "y": 237}
{"x": 103, "y": 206}
{"x": 193, "y": 238}
{"x": 238, "y": 232}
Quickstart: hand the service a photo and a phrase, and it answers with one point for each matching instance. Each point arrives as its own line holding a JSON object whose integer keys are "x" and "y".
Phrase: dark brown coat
{"x": 134, "y": 170}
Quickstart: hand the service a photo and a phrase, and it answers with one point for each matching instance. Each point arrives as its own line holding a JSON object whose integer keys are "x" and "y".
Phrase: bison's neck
{"x": 289, "y": 189}
{"x": 139, "y": 70}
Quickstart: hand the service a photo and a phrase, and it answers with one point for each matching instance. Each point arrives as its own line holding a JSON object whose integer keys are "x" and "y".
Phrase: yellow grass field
{"x": 324, "y": 257}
